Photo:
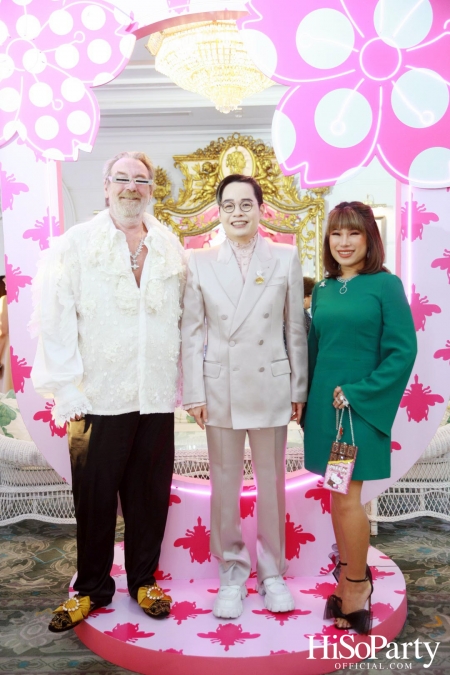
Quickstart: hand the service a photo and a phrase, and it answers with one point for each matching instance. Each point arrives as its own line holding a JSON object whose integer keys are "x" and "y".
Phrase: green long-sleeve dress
{"x": 365, "y": 342}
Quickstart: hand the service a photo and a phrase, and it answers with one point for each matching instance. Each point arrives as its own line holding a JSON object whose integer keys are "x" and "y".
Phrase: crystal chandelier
{"x": 208, "y": 58}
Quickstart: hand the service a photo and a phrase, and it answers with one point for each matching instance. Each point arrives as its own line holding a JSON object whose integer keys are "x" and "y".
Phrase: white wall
{"x": 83, "y": 179}
{"x": 381, "y": 186}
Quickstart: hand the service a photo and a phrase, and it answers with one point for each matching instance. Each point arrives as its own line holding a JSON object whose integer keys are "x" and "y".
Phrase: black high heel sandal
{"x": 333, "y": 607}
{"x": 361, "y": 620}
{"x": 337, "y": 570}
{"x": 334, "y": 602}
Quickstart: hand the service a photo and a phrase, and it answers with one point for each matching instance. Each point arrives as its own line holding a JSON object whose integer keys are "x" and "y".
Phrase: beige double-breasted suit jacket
{"x": 246, "y": 378}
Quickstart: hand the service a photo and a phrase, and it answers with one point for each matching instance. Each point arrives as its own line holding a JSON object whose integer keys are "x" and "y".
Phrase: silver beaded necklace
{"x": 134, "y": 256}
{"x": 344, "y": 283}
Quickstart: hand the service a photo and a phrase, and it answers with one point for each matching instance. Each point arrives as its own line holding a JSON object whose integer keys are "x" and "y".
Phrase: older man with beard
{"x": 108, "y": 354}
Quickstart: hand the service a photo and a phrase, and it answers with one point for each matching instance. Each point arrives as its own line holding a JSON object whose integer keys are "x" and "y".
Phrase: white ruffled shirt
{"x": 105, "y": 345}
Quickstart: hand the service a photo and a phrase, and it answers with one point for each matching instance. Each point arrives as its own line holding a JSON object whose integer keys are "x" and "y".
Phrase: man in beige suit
{"x": 246, "y": 289}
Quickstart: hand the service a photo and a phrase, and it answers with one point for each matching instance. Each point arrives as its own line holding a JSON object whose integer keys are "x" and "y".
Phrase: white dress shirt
{"x": 105, "y": 345}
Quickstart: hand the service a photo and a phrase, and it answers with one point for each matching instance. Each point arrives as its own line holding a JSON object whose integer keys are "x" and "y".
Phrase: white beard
{"x": 128, "y": 209}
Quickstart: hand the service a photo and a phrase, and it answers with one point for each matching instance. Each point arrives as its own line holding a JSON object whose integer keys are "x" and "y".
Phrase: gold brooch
{"x": 259, "y": 278}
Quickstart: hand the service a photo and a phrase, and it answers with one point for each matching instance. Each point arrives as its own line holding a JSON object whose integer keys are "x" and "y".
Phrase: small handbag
{"x": 342, "y": 459}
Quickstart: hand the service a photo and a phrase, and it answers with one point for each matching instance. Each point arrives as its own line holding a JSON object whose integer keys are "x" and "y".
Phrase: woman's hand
{"x": 339, "y": 399}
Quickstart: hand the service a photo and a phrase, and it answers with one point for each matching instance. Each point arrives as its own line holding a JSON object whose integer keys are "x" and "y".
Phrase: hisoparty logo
{"x": 345, "y": 649}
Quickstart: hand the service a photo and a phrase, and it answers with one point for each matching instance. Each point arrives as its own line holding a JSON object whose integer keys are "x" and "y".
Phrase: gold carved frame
{"x": 291, "y": 213}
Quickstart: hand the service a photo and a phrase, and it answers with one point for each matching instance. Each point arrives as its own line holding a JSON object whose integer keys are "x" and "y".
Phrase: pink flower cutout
{"x": 421, "y": 308}
{"x": 418, "y": 399}
{"x": 443, "y": 353}
{"x": 20, "y": 370}
{"x": 15, "y": 281}
{"x": 46, "y": 417}
{"x": 443, "y": 263}
{"x": 365, "y": 79}
{"x": 51, "y": 53}
{"x": 415, "y": 219}
{"x": 43, "y": 230}
{"x": 10, "y": 187}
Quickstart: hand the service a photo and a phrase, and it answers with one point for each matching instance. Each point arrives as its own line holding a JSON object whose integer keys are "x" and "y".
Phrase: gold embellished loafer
{"x": 70, "y": 613}
{"x": 154, "y": 601}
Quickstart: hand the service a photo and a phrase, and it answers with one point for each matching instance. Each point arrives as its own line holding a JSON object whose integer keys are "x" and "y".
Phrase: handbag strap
{"x": 339, "y": 423}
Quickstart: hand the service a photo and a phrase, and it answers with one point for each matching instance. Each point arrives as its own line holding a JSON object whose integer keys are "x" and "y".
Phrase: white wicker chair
{"x": 423, "y": 491}
{"x": 29, "y": 487}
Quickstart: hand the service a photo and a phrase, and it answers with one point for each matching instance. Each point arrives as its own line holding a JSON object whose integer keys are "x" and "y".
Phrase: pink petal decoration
{"x": 365, "y": 79}
{"x": 421, "y": 308}
{"x": 443, "y": 263}
{"x": 380, "y": 574}
{"x": 443, "y": 353}
{"x": 10, "y": 188}
{"x": 321, "y": 590}
{"x": 20, "y": 370}
{"x": 417, "y": 400}
{"x": 182, "y": 611}
{"x": 295, "y": 537}
{"x": 419, "y": 217}
{"x": 197, "y": 541}
{"x": 53, "y": 54}
{"x": 128, "y": 632}
{"x": 100, "y": 610}
{"x": 43, "y": 230}
{"x": 15, "y": 280}
{"x": 228, "y": 635}
{"x": 46, "y": 417}
{"x": 247, "y": 503}
{"x": 117, "y": 570}
{"x": 282, "y": 617}
{"x": 320, "y": 494}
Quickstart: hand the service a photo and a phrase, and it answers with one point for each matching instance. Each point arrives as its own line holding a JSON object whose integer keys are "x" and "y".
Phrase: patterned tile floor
{"x": 37, "y": 561}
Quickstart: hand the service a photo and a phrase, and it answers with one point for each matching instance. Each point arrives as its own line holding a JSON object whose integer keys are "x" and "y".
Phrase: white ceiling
{"x": 142, "y": 97}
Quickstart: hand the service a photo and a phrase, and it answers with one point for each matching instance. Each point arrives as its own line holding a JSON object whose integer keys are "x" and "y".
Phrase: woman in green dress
{"x": 362, "y": 347}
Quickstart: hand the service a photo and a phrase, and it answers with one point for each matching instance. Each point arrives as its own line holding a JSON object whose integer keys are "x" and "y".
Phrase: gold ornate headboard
{"x": 195, "y": 213}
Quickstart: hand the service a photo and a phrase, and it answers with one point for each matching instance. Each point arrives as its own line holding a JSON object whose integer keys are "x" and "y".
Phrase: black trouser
{"x": 132, "y": 455}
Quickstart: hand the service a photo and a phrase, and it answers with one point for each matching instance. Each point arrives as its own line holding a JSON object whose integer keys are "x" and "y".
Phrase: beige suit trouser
{"x": 226, "y": 461}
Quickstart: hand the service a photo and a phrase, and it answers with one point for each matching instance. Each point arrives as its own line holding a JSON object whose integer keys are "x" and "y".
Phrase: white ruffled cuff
{"x": 187, "y": 406}
{"x": 69, "y": 402}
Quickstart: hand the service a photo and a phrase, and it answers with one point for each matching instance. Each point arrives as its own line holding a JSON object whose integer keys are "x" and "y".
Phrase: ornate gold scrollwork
{"x": 287, "y": 212}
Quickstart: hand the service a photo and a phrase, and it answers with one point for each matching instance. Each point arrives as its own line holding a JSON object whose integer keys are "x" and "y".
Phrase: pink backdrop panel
{"x": 425, "y": 271}
{"x": 56, "y": 120}
{"x": 30, "y": 205}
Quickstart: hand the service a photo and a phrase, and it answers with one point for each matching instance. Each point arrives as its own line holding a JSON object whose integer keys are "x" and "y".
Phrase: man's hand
{"x": 297, "y": 409}
{"x": 200, "y": 415}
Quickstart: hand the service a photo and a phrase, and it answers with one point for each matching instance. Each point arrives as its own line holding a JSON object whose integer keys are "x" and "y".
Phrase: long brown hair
{"x": 354, "y": 216}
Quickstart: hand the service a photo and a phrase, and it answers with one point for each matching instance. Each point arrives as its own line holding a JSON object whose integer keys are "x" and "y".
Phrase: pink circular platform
{"x": 193, "y": 642}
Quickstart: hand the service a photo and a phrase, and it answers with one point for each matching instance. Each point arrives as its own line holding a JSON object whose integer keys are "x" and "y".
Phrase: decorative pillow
{"x": 11, "y": 422}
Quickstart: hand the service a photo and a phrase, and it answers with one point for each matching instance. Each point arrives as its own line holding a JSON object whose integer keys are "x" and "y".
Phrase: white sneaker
{"x": 278, "y": 597}
{"x": 228, "y": 604}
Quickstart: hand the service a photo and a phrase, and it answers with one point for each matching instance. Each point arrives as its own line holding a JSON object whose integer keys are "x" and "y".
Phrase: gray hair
{"x": 141, "y": 156}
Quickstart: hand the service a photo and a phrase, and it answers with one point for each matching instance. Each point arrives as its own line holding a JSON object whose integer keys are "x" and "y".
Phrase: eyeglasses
{"x": 125, "y": 180}
{"x": 245, "y": 205}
